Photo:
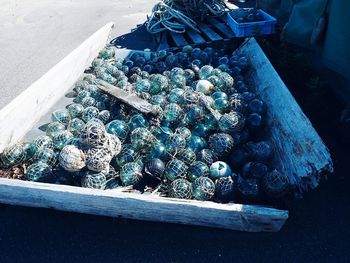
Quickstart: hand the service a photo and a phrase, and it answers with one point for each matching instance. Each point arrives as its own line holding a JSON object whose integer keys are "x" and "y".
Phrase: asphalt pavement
{"x": 34, "y": 36}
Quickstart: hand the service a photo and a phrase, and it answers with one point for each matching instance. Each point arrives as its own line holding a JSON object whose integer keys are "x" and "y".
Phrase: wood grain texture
{"x": 20, "y": 115}
{"x": 300, "y": 152}
{"x": 144, "y": 207}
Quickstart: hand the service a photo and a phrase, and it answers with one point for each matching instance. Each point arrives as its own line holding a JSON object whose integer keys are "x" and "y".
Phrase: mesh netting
{"x": 61, "y": 139}
{"x": 175, "y": 169}
{"x": 43, "y": 142}
{"x": 196, "y": 170}
{"x": 180, "y": 188}
{"x": 203, "y": 188}
{"x": 93, "y": 135}
{"x": 12, "y": 155}
{"x": 46, "y": 155}
{"x": 276, "y": 184}
{"x": 61, "y": 116}
{"x": 39, "y": 172}
{"x": 54, "y": 127}
{"x": 94, "y": 180}
{"x": 98, "y": 159}
{"x": 221, "y": 143}
{"x": 207, "y": 156}
{"x": 130, "y": 173}
{"x": 187, "y": 156}
{"x": 231, "y": 122}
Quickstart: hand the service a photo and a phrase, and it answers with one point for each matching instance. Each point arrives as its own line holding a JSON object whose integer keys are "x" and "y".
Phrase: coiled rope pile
{"x": 179, "y": 15}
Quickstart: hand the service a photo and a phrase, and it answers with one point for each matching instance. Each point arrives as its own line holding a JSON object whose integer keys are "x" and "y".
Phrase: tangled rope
{"x": 179, "y": 15}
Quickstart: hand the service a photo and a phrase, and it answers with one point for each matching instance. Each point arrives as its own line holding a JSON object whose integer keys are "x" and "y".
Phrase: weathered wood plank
{"x": 212, "y": 35}
{"x": 195, "y": 37}
{"x": 20, "y": 115}
{"x": 300, "y": 152}
{"x": 221, "y": 27}
{"x": 178, "y": 39}
{"x": 144, "y": 207}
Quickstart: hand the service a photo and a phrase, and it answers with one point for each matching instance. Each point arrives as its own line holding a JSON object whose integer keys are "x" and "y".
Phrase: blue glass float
{"x": 72, "y": 159}
{"x": 276, "y": 184}
{"x": 45, "y": 155}
{"x": 104, "y": 116}
{"x": 220, "y": 169}
{"x": 81, "y": 95}
{"x": 183, "y": 131}
{"x": 106, "y": 53}
{"x": 134, "y": 78}
{"x": 13, "y": 155}
{"x": 207, "y": 156}
{"x": 225, "y": 188}
{"x": 118, "y": 128}
{"x": 155, "y": 167}
{"x": 187, "y": 156}
{"x": 131, "y": 173}
{"x": 158, "y": 83}
{"x": 54, "y": 127}
{"x": 231, "y": 122}
{"x": 175, "y": 169}
{"x": 88, "y": 101}
{"x": 29, "y": 149}
{"x": 260, "y": 151}
{"x": 205, "y": 72}
{"x": 249, "y": 189}
{"x": 143, "y": 85}
{"x": 189, "y": 76}
{"x": 203, "y": 189}
{"x": 75, "y": 110}
{"x": 201, "y": 130}
{"x": 177, "y": 80}
{"x": 61, "y": 116}
{"x": 94, "y": 180}
{"x": 161, "y": 133}
{"x": 172, "y": 112}
{"x": 75, "y": 126}
{"x": 142, "y": 139}
{"x": 90, "y": 113}
{"x": 180, "y": 188}
{"x": 43, "y": 142}
{"x": 254, "y": 170}
{"x": 176, "y": 96}
{"x": 39, "y": 172}
{"x": 196, "y": 170}
{"x": 138, "y": 121}
{"x": 175, "y": 143}
{"x": 158, "y": 150}
{"x": 196, "y": 143}
{"x": 128, "y": 154}
{"x": 158, "y": 100}
{"x": 61, "y": 139}
{"x": 221, "y": 143}
{"x": 194, "y": 113}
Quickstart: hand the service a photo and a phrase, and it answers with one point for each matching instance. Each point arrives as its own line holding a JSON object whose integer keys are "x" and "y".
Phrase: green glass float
{"x": 54, "y": 127}
{"x": 194, "y": 113}
{"x": 98, "y": 159}
{"x": 196, "y": 143}
{"x": 43, "y": 141}
{"x": 39, "y": 172}
{"x": 106, "y": 53}
{"x": 176, "y": 96}
{"x": 183, "y": 131}
{"x": 158, "y": 100}
{"x": 128, "y": 154}
{"x": 203, "y": 189}
{"x": 30, "y": 150}
{"x": 61, "y": 116}
{"x": 13, "y": 155}
{"x": 196, "y": 170}
{"x": 180, "y": 188}
{"x": 97, "y": 62}
{"x": 172, "y": 112}
{"x": 111, "y": 69}
{"x": 143, "y": 85}
{"x": 90, "y": 113}
{"x": 175, "y": 169}
{"x": 138, "y": 121}
{"x": 104, "y": 116}
{"x": 72, "y": 159}
{"x": 158, "y": 83}
{"x": 81, "y": 95}
{"x": 88, "y": 102}
{"x": 187, "y": 156}
{"x": 177, "y": 80}
{"x": 205, "y": 72}
{"x": 231, "y": 122}
{"x": 130, "y": 173}
{"x": 45, "y": 155}
{"x": 75, "y": 126}
{"x": 94, "y": 180}
{"x": 175, "y": 143}
{"x": 121, "y": 83}
{"x": 75, "y": 110}
{"x": 61, "y": 139}
{"x": 118, "y": 128}
{"x": 94, "y": 90}
{"x": 142, "y": 139}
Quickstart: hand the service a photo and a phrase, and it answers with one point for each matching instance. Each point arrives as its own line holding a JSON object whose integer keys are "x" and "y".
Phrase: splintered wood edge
{"x": 117, "y": 203}
{"x": 299, "y": 150}
{"x": 20, "y": 115}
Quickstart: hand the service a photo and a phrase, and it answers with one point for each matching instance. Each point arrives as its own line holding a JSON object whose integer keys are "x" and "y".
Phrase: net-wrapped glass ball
{"x": 220, "y": 169}
{"x": 175, "y": 169}
{"x": 72, "y": 159}
{"x": 118, "y": 128}
{"x": 143, "y": 85}
{"x": 202, "y": 130}
{"x": 203, "y": 188}
{"x": 177, "y": 80}
{"x": 113, "y": 144}
{"x": 183, "y": 131}
{"x": 80, "y": 85}
{"x": 205, "y": 71}
{"x": 276, "y": 184}
{"x": 130, "y": 173}
{"x": 46, "y": 155}
{"x": 225, "y": 81}
{"x": 207, "y": 156}
{"x": 155, "y": 167}
{"x": 54, "y": 127}
{"x": 98, "y": 159}
{"x": 61, "y": 116}
{"x": 13, "y": 155}
{"x": 231, "y": 122}
{"x": 128, "y": 154}
{"x": 88, "y": 102}
{"x": 94, "y": 180}
{"x": 175, "y": 143}
{"x": 180, "y": 188}
{"x": 93, "y": 135}
{"x": 221, "y": 143}
{"x": 172, "y": 112}
{"x": 30, "y": 150}
{"x": 249, "y": 189}
{"x": 176, "y": 95}
{"x": 260, "y": 151}
{"x": 158, "y": 150}
{"x": 158, "y": 100}
{"x": 75, "y": 110}
{"x": 90, "y": 78}
{"x": 196, "y": 143}
{"x": 75, "y": 126}
{"x": 134, "y": 78}
{"x": 61, "y": 139}
{"x": 187, "y": 156}
{"x": 138, "y": 121}
{"x": 39, "y": 172}
{"x": 161, "y": 133}
{"x": 106, "y": 53}
{"x": 81, "y": 95}
{"x": 224, "y": 188}
{"x": 196, "y": 170}
{"x": 104, "y": 116}
{"x": 43, "y": 141}
{"x": 89, "y": 113}
{"x": 194, "y": 113}
{"x": 142, "y": 139}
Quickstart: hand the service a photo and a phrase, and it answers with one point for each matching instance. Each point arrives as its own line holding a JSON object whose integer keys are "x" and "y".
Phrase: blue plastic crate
{"x": 249, "y": 29}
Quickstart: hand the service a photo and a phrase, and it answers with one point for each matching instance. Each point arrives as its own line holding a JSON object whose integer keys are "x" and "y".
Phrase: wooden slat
{"x": 299, "y": 151}
{"x": 145, "y": 207}
{"x": 212, "y": 35}
{"x": 195, "y": 37}
{"x": 19, "y": 116}
{"x": 221, "y": 27}
{"x": 178, "y": 39}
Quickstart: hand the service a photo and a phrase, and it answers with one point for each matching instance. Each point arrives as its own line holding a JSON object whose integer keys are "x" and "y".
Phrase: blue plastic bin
{"x": 249, "y": 29}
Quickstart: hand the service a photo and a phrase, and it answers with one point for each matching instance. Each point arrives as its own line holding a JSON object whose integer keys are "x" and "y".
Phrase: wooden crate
{"x": 301, "y": 153}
